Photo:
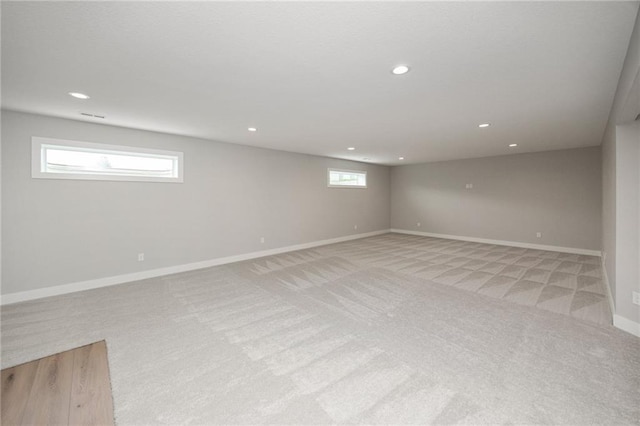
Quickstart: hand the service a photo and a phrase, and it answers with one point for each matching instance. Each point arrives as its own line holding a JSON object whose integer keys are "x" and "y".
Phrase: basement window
{"x": 347, "y": 178}
{"x": 63, "y": 159}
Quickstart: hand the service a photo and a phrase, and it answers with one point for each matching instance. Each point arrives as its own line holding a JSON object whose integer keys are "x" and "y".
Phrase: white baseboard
{"x": 627, "y": 325}
{"x": 620, "y": 322}
{"x": 502, "y": 243}
{"x": 24, "y": 296}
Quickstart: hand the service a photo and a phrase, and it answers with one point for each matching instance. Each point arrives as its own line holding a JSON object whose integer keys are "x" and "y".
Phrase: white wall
{"x": 58, "y": 232}
{"x": 625, "y": 108}
{"x": 557, "y": 193}
{"x": 627, "y": 219}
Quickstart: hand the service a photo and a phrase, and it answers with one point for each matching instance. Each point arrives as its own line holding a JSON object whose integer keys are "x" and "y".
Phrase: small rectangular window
{"x": 62, "y": 159}
{"x": 347, "y": 178}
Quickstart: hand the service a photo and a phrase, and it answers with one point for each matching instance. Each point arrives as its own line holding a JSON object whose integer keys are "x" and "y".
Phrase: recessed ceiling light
{"x": 252, "y": 129}
{"x": 400, "y": 69}
{"x": 484, "y": 125}
{"x": 511, "y": 145}
{"x": 400, "y": 158}
{"x": 351, "y": 148}
{"x": 79, "y": 95}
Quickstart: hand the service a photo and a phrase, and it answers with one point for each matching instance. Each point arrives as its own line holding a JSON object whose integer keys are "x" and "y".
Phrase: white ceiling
{"x": 315, "y": 77}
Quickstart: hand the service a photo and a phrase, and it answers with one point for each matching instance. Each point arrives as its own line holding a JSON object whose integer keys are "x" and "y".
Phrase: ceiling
{"x": 315, "y": 77}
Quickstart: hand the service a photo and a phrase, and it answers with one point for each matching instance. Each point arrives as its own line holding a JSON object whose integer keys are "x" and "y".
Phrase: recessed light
{"x": 511, "y": 145}
{"x": 351, "y": 148}
{"x": 79, "y": 95}
{"x": 400, "y": 158}
{"x": 252, "y": 129}
{"x": 400, "y": 69}
{"x": 484, "y": 125}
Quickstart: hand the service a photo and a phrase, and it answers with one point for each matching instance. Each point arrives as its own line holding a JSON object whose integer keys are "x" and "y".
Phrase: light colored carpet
{"x": 345, "y": 333}
{"x": 565, "y": 283}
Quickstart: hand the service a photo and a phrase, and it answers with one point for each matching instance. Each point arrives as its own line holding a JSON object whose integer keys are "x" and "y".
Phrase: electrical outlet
{"x": 140, "y": 257}
{"x": 538, "y": 234}
{"x": 261, "y": 240}
{"x": 418, "y": 224}
{"x": 355, "y": 226}
{"x": 469, "y": 186}
{"x": 636, "y": 297}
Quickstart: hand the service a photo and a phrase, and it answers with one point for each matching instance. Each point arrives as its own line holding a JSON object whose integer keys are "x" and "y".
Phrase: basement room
{"x": 319, "y": 213}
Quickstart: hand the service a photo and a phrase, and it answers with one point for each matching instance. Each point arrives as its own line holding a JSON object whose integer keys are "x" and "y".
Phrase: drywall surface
{"x": 556, "y": 193}
{"x": 627, "y": 219}
{"x": 625, "y": 108}
{"x": 57, "y": 232}
{"x": 609, "y": 212}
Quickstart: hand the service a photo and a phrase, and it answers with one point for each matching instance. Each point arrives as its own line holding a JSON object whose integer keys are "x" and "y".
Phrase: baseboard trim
{"x": 607, "y": 285}
{"x": 40, "y": 293}
{"x": 627, "y": 325}
{"x": 620, "y": 322}
{"x": 501, "y": 243}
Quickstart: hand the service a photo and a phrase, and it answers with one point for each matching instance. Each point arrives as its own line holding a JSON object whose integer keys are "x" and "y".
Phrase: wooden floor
{"x": 71, "y": 388}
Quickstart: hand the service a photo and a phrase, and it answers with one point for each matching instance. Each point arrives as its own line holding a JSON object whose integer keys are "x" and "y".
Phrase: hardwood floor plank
{"x": 16, "y": 387}
{"x": 71, "y": 387}
{"x": 48, "y": 401}
{"x": 91, "y": 402}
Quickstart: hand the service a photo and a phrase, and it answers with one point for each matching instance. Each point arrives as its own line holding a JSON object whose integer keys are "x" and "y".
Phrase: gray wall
{"x": 609, "y": 211}
{"x": 627, "y": 219}
{"x": 557, "y": 193}
{"x": 63, "y": 231}
{"x": 625, "y": 107}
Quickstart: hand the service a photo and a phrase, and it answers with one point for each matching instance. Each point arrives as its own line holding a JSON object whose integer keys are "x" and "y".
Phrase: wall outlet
{"x": 538, "y": 234}
{"x": 355, "y": 226}
{"x": 636, "y": 297}
{"x": 469, "y": 186}
{"x": 418, "y": 224}
{"x": 140, "y": 257}
{"x": 261, "y": 240}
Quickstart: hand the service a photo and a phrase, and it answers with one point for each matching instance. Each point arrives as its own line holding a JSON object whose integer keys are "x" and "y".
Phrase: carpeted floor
{"x": 389, "y": 329}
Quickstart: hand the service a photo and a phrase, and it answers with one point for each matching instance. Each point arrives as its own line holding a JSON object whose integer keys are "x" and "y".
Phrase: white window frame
{"x": 362, "y": 172}
{"x": 38, "y": 144}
